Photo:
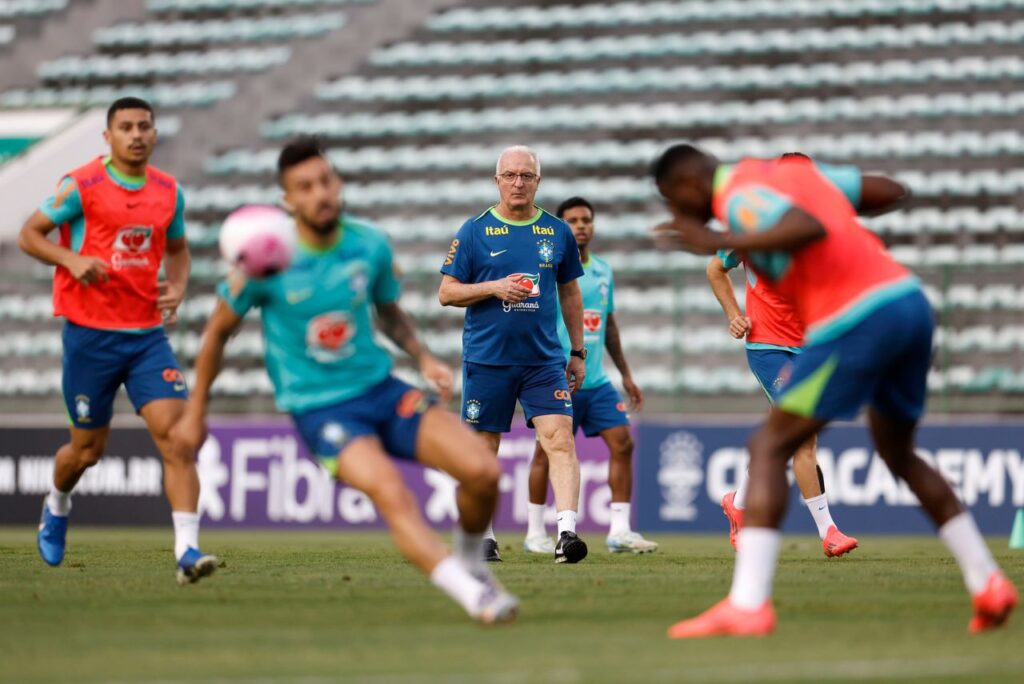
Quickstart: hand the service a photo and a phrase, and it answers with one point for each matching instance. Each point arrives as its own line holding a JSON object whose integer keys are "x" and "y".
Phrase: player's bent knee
{"x": 622, "y": 449}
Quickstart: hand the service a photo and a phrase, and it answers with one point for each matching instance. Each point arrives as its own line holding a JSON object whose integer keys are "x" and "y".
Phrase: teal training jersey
{"x": 317, "y": 318}
{"x": 598, "y": 288}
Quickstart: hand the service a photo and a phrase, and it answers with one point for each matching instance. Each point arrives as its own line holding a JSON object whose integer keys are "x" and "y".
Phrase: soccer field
{"x": 324, "y": 607}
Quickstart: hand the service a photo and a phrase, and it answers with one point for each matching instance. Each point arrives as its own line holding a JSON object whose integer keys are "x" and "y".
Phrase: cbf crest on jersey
{"x": 546, "y": 251}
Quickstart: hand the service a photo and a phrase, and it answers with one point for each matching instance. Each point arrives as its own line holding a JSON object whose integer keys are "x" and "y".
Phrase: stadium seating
{"x": 172, "y": 96}
{"x": 429, "y": 88}
{"x": 215, "y": 6}
{"x": 926, "y": 90}
{"x": 651, "y": 116}
{"x": 646, "y": 13}
{"x": 189, "y": 33}
{"x": 10, "y": 9}
{"x": 746, "y": 42}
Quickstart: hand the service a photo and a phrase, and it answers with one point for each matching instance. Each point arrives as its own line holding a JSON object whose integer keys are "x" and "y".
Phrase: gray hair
{"x": 517, "y": 149}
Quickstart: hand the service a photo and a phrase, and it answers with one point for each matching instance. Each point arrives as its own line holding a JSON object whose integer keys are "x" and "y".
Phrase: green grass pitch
{"x": 319, "y": 607}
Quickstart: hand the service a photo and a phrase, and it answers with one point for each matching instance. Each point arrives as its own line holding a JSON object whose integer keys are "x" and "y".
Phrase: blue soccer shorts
{"x": 489, "y": 394}
{"x": 882, "y": 361}
{"x": 97, "y": 362}
{"x": 598, "y": 409}
{"x": 771, "y": 367}
{"x": 392, "y": 410}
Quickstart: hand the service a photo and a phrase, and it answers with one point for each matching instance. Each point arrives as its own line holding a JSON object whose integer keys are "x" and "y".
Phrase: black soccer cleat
{"x": 491, "y": 551}
{"x": 570, "y": 548}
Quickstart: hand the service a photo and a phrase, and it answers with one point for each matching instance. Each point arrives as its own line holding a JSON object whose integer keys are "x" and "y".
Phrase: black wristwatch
{"x": 580, "y": 353}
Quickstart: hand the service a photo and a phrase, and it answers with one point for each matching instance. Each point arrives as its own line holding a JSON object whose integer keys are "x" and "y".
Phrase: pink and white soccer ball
{"x": 258, "y": 239}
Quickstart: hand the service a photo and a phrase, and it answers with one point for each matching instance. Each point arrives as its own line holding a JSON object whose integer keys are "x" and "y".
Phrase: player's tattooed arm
{"x": 718, "y": 278}
{"x": 400, "y": 328}
{"x": 613, "y": 343}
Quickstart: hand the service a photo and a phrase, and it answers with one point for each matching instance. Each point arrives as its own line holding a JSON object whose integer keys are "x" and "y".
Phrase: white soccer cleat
{"x": 496, "y": 606}
{"x": 540, "y": 543}
{"x": 630, "y": 542}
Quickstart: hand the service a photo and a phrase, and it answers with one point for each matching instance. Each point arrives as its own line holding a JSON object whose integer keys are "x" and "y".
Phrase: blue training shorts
{"x": 391, "y": 410}
{"x": 97, "y": 362}
{"x": 598, "y": 409}
{"x": 489, "y": 394}
{"x": 882, "y": 361}
{"x": 771, "y": 367}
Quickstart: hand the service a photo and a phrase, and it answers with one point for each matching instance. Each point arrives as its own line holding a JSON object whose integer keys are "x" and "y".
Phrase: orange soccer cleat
{"x": 993, "y": 604}
{"x": 725, "y": 619}
{"x": 836, "y": 543}
{"x": 735, "y": 516}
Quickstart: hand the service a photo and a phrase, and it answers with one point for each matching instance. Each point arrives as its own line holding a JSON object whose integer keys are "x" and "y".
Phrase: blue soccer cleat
{"x": 195, "y": 565}
{"x": 53, "y": 530}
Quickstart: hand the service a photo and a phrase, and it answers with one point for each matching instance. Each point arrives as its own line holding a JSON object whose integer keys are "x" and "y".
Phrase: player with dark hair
{"x": 335, "y": 380}
{"x": 119, "y": 219}
{"x": 514, "y": 268}
{"x": 868, "y": 341}
{"x": 597, "y": 406}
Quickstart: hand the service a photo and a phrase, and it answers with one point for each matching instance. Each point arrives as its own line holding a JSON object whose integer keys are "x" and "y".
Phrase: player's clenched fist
{"x": 739, "y": 327}
{"x": 511, "y": 290}
{"x": 87, "y": 269}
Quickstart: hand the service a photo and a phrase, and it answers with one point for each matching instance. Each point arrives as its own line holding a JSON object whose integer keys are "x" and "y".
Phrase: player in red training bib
{"x": 774, "y": 337}
{"x": 868, "y": 341}
{"x": 119, "y": 218}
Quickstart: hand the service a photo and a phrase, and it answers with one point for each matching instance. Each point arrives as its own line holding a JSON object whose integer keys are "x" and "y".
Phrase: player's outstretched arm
{"x": 191, "y": 429}
{"x": 880, "y": 194}
{"x": 454, "y": 292}
{"x": 400, "y": 328}
{"x": 33, "y": 241}
{"x": 718, "y": 278}
{"x": 795, "y": 229}
{"x": 571, "y": 300}
{"x": 613, "y": 343}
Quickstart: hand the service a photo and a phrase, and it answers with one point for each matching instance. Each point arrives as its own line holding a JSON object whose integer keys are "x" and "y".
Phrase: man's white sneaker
{"x": 630, "y": 542}
{"x": 540, "y": 543}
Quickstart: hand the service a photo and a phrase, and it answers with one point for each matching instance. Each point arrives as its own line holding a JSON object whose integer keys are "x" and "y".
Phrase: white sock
{"x": 960, "y": 534}
{"x": 619, "y": 519}
{"x": 756, "y": 555}
{"x": 489, "y": 532}
{"x": 535, "y": 520}
{"x": 818, "y": 506}
{"x": 186, "y": 532}
{"x": 740, "y": 501}
{"x": 566, "y": 522}
{"x": 469, "y": 548}
{"x": 58, "y": 502}
{"x": 451, "y": 577}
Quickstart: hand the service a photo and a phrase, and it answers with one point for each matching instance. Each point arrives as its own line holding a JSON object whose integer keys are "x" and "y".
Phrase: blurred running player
{"x": 119, "y": 218}
{"x": 335, "y": 380}
{"x": 514, "y": 267}
{"x": 868, "y": 341}
{"x": 774, "y": 334}
{"x": 597, "y": 406}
